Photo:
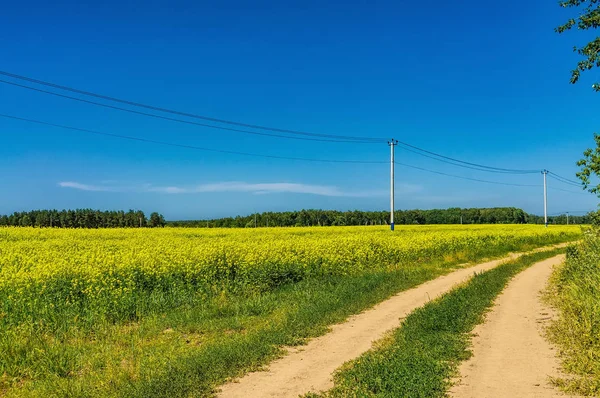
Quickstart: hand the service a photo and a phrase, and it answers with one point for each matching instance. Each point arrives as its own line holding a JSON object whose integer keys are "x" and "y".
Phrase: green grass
{"x": 420, "y": 358}
{"x": 575, "y": 291}
{"x": 191, "y": 349}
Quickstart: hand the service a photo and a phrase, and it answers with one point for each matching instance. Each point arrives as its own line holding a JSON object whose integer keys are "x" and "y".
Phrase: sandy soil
{"x": 511, "y": 358}
{"x": 310, "y": 368}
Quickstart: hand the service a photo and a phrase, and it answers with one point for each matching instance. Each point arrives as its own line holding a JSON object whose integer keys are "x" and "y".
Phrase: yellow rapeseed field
{"x": 75, "y": 265}
{"x": 121, "y": 312}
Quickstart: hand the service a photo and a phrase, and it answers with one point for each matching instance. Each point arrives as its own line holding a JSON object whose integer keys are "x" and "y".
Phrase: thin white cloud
{"x": 85, "y": 187}
{"x": 261, "y": 188}
{"x": 237, "y": 186}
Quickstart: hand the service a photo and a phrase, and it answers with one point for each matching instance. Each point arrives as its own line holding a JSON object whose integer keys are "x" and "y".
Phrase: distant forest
{"x": 88, "y": 218}
{"x": 303, "y": 218}
{"x": 83, "y": 218}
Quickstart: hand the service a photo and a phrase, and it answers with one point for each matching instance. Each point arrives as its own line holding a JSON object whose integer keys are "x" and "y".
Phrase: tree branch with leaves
{"x": 588, "y": 19}
{"x": 590, "y": 165}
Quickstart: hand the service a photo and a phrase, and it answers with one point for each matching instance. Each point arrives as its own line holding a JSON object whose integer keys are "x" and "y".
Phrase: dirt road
{"x": 510, "y": 356}
{"x": 310, "y": 368}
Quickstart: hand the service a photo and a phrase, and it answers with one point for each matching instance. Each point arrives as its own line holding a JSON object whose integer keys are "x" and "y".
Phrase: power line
{"x": 566, "y": 190}
{"x": 467, "y": 165}
{"x": 332, "y": 138}
{"x": 180, "y": 120}
{"x": 156, "y": 142}
{"x": 126, "y": 137}
{"x": 466, "y": 178}
{"x": 336, "y": 138}
{"x": 564, "y": 180}
{"x": 485, "y": 181}
{"x": 567, "y": 183}
{"x": 479, "y": 166}
{"x": 175, "y": 112}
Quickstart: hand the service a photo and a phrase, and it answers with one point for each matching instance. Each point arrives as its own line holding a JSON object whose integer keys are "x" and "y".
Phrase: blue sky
{"x": 486, "y": 82}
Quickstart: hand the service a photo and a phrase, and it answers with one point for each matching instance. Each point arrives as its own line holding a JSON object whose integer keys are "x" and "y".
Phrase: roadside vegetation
{"x": 420, "y": 358}
{"x": 575, "y": 291}
{"x": 175, "y": 312}
{"x": 190, "y": 349}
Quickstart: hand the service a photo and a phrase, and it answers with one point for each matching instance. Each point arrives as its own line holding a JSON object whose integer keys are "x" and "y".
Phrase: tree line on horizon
{"x": 306, "y": 218}
{"x": 83, "y": 218}
{"x": 88, "y": 218}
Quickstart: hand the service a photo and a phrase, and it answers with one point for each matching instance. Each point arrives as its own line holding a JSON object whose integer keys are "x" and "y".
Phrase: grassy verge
{"x": 420, "y": 358}
{"x": 575, "y": 291}
{"x": 191, "y": 349}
